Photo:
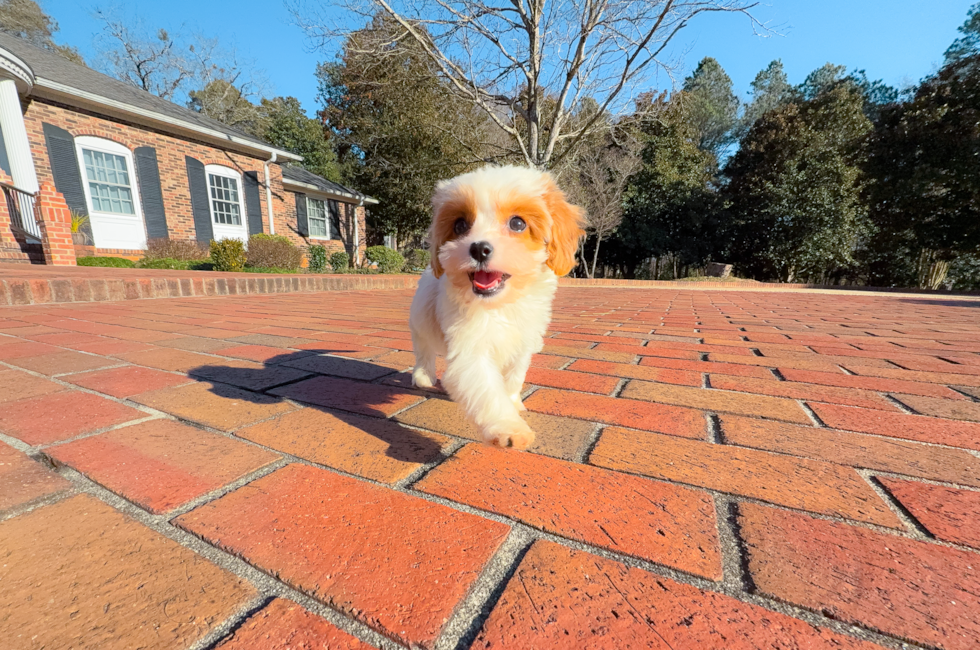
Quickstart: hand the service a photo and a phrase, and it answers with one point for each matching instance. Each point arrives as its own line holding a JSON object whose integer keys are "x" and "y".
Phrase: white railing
{"x": 24, "y": 210}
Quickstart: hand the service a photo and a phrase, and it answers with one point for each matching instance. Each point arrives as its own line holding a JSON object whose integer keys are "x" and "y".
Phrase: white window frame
{"x": 93, "y": 143}
{"x": 326, "y": 217}
{"x": 227, "y": 172}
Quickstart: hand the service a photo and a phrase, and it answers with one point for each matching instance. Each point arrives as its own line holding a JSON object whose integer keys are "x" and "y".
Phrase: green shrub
{"x": 269, "y": 269}
{"x": 228, "y": 255}
{"x": 416, "y": 261}
{"x": 175, "y": 249}
{"x": 316, "y": 257}
{"x": 265, "y": 237}
{"x": 388, "y": 261}
{"x": 273, "y": 251}
{"x": 175, "y": 265}
{"x": 114, "y": 262}
{"x": 340, "y": 262}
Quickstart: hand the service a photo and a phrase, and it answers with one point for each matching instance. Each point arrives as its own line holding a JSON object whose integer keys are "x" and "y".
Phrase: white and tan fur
{"x": 488, "y": 340}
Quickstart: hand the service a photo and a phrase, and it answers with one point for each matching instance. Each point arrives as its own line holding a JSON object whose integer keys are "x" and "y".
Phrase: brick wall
{"x": 286, "y": 225}
{"x": 171, "y": 151}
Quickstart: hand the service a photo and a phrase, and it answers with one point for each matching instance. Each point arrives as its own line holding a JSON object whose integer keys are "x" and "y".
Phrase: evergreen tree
{"x": 397, "y": 127}
{"x": 712, "y": 105}
{"x": 794, "y": 188}
{"x": 770, "y": 90}
{"x": 968, "y": 44}
{"x": 25, "y": 19}
{"x": 669, "y": 206}
{"x": 286, "y": 125}
{"x": 924, "y": 195}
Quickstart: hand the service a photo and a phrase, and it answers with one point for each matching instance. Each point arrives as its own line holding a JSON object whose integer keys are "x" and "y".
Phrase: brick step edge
{"x": 63, "y": 290}
{"x": 753, "y": 286}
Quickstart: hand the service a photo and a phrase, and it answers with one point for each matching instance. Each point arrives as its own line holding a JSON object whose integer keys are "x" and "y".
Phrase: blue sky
{"x": 899, "y": 41}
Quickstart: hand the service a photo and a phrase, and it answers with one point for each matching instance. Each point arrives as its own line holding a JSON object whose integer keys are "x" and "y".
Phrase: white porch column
{"x": 15, "y": 137}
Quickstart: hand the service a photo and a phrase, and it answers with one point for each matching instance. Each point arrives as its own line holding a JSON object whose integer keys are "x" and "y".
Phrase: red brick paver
{"x": 713, "y": 469}
{"x": 397, "y": 562}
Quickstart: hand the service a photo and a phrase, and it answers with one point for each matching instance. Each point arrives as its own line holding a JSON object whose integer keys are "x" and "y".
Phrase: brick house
{"x": 141, "y": 168}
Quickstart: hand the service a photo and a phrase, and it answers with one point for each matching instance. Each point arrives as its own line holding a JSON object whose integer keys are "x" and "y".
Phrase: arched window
{"x": 111, "y": 192}
{"x": 226, "y": 202}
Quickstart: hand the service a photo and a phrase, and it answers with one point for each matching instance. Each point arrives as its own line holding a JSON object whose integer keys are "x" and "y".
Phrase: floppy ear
{"x": 567, "y": 223}
{"x": 437, "y": 230}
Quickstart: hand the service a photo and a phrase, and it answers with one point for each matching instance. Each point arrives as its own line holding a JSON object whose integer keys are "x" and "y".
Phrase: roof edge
{"x": 313, "y": 189}
{"x": 48, "y": 89}
{"x": 18, "y": 68}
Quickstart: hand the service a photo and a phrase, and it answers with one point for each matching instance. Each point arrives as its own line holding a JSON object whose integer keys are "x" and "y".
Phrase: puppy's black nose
{"x": 481, "y": 251}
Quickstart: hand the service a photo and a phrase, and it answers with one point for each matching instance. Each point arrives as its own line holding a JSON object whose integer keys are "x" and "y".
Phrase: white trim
{"x": 227, "y": 172}
{"x": 326, "y": 218}
{"x": 93, "y": 143}
{"x": 17, "y": 68}
{"x": 46, "y": 88}
{"x": 306, "y": 188}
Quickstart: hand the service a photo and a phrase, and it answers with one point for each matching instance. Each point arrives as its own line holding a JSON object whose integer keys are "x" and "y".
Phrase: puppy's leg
{"x": 514, "y": 380}
{"x": 478, "y": 386}
{"x": 424, "y": 373}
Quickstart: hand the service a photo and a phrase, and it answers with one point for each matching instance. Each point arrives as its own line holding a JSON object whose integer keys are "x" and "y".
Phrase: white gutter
{"x": 46, "y": 88}
{"x": 268, "y": 194}
{"x": 313, "y": 189}
{"x": 357, "y": 250}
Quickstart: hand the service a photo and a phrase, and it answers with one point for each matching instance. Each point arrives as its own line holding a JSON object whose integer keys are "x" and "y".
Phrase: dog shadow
{"x": 362, "y": 409}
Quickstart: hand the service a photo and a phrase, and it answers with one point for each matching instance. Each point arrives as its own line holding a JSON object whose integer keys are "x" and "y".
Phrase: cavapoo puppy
{"x": 500, "y": 238}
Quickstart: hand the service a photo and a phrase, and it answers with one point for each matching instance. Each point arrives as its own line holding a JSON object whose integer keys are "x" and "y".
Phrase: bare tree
{"x": 529, "y": 64}
{"x": 155, "y": 63}
{"x": 177, "y": 67}
{"x": 597, "y": 181}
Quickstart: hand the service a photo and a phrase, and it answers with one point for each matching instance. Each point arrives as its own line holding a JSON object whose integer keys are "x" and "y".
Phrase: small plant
{"x": 266, "y": 237}
{"x": 77, "y": 221}
{"x": 388, "y": 261}
{"x": 316, "y": 257}
{"x": 228, "y": 255}
{"x": 340, "y": 262}
{"x": 416, "y": 261}
{"x": 273, "y": 251}
{"x": 113, "y": 262}
{"x": 175, "y": 249}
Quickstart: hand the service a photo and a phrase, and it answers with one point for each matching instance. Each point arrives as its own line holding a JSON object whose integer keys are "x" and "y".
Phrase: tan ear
{"x": 567, "y": 223}
{"x": 449, "y": 203}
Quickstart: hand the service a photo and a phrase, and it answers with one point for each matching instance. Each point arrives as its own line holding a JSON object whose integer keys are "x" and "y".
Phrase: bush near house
{"x": 272, "y": 252}
{"x": 416, "y": 261}
{"x": 340, "y": 262}
{"x": 184, "y": 250}
{"x": 388, "y": 261}
{"x": 176, "y": 265}
{"x": 316, "y": 257}
{"x": 114, "y": 262}
{"x": 228, "y": 255}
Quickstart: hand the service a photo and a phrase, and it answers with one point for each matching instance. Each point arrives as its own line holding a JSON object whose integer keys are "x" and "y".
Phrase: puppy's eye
{"x": 517, "y": 224}
{"x": 460, "y": 227}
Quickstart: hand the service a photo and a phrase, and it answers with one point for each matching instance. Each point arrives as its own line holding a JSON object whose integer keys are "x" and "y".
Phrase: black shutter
{"x": 302, "y": 223}
{"x": 148, "y": 176}
{"x": 334, "y": 208}
{"x": 253, "y": 203}
{"x": 197, "y": 181}
{"x": 64, "y": 169}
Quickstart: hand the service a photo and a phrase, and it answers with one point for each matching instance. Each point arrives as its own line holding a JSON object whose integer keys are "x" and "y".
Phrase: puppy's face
{"x": 497, "y": 229}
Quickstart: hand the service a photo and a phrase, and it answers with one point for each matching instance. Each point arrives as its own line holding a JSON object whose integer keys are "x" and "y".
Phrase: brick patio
{"x": 714, "y": 469}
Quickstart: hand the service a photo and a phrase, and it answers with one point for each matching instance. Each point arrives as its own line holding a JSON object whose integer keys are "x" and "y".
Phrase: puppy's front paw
{"x": 518, "y": 436}
{"x": 421, "y": 379}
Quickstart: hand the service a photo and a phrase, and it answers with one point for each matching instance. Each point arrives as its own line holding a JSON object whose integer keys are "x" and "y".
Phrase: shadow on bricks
{"x": 359, "y": 393}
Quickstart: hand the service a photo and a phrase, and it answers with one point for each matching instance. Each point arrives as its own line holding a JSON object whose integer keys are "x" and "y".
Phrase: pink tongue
{"x": 486, "y": 279}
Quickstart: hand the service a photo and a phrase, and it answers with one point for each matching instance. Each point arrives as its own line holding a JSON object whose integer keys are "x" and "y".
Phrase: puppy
{"x": 500, "y": 238}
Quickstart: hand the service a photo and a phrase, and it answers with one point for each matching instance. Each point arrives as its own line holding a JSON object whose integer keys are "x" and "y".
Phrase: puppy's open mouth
{"x": 487, "y": 283}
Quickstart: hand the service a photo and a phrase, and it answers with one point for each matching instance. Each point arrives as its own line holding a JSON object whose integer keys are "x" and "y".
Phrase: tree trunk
{"x": 932, "y": 270}
{"x": 595, "y": 255}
